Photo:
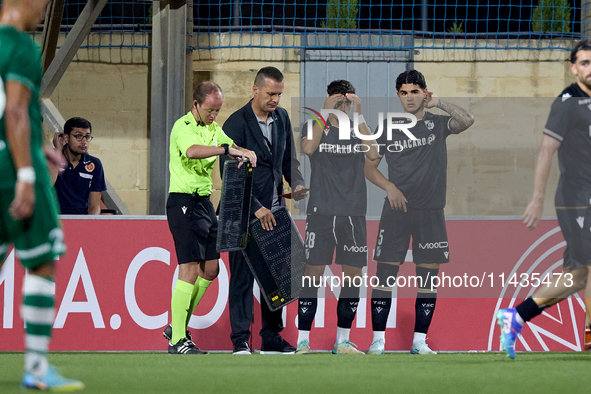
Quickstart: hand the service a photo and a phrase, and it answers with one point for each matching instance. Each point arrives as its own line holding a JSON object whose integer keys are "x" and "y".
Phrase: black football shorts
{"x": 575, "y": 224}
{"x": 194, "y": 227}
{"x": 346, "y": 234}
{"x": 425, "y": 226}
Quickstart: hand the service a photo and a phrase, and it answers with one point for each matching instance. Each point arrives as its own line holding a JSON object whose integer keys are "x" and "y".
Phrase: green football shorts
{"x": 38, "y": 239}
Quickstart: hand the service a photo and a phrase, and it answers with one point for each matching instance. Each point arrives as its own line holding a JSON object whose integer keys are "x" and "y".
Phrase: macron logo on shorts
{"x": 184, "y": 210}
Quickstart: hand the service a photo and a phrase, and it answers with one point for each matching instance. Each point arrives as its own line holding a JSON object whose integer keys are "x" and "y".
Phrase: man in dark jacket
{"x": 263, "y": 127}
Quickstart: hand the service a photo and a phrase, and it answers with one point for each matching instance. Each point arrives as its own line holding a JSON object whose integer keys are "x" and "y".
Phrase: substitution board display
{"x": 277, "y": 259}
{"x": 234, "y": 210}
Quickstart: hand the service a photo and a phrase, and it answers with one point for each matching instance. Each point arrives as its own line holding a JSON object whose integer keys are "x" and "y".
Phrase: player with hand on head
{"x": 336, "y": 215}
{"x": 195, "y": 142}
{"x": 414, "y": 204}
{"x": 566, "y": 131}
{"x": 28, "y": 204}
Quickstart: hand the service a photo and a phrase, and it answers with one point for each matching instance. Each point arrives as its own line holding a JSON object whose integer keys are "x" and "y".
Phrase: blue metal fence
{"x": 466, "y": 24}
{"x": 122, "y": 23}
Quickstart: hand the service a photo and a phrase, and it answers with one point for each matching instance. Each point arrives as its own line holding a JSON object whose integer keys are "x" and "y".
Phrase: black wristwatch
{"x": 226, "y": 148}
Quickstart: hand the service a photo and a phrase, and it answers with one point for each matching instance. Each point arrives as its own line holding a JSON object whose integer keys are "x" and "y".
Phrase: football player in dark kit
{"x": 336, "y": 214}
{"x": 416, "y": 186}
{"x": 568, "y": 132}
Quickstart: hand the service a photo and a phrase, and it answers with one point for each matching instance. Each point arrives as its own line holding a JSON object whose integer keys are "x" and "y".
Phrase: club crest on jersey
{"x": 430, "y": 125}
{"x": 89, "y": 167}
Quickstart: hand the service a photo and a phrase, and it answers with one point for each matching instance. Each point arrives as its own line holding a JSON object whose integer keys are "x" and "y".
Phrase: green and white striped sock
{"x": 38, "y": 314}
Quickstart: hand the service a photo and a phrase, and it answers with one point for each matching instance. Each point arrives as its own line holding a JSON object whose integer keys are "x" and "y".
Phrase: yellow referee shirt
{"x": 193, "y": 175}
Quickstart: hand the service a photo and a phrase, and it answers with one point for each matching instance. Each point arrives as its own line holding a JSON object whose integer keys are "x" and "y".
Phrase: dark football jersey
{"x": 418, "y": 168}
{"x": 569, "y": 122}
{"x": 337, "y": 180}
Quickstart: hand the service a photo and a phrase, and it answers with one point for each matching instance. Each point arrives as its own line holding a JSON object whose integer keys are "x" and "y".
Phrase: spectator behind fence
{"x": 79, "y": 187}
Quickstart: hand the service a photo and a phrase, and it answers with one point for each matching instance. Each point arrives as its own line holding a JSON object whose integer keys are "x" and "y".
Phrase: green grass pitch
{"x": 219, "y": 373}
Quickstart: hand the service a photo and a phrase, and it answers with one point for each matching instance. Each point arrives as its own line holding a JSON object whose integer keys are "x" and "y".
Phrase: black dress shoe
{"x": 276, "y": 345}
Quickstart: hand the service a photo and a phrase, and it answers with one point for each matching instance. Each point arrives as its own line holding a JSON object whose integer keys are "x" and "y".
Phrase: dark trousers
{"x": 241, "y": 299}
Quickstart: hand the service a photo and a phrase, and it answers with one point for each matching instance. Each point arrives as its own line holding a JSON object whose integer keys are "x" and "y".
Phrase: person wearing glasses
{"x": 80, "y": 185}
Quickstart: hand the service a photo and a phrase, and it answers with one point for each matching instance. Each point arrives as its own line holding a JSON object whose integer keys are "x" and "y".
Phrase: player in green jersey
{"x": 28, "y": 205}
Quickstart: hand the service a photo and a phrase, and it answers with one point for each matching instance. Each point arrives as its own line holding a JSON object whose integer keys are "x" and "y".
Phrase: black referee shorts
{"x": 425, "y": 226}
{"x": 575, "y": 224}
{"x": 194, "y": 227}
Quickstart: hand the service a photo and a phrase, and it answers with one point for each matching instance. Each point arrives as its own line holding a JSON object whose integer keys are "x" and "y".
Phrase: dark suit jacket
{"x": 242, "y": 126}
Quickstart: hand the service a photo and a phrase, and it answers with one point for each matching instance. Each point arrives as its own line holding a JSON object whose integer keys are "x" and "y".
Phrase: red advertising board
{"x": 114, "y": 286}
